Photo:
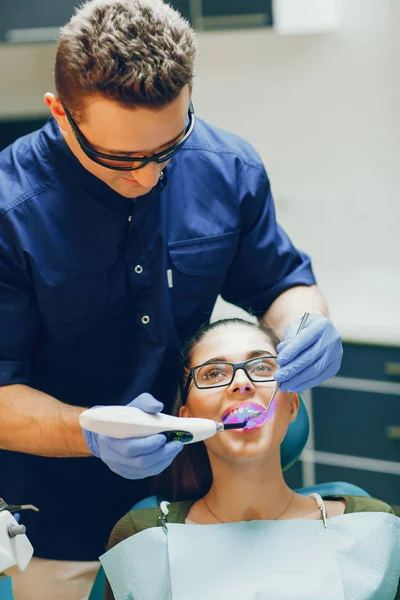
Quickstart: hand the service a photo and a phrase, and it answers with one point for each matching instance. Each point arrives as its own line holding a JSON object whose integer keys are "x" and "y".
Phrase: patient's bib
{"x": 357, "y": 557}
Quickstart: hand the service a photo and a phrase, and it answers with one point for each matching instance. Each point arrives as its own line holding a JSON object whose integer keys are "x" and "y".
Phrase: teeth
{"x": 249, "y": 410}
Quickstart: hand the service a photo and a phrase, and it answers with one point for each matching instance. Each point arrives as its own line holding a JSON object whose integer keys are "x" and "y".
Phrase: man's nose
{"x": 241, "y": 384}
{"x": 149, "y": 175}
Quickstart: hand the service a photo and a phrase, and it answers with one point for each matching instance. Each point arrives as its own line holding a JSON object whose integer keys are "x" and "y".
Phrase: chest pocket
{"x": 199, "y": 269}
{"x": 74, "y": 300}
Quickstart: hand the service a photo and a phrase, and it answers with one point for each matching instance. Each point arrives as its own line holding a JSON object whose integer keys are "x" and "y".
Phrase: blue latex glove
{"x": 135, "y": 458}
{"x": 309, "y": 358}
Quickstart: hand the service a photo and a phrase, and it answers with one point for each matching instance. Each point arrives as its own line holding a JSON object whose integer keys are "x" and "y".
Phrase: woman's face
{"x": 235, "y": 343}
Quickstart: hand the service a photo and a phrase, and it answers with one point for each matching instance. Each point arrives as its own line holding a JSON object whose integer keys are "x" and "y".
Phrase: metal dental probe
{"x": 303, "y": 323}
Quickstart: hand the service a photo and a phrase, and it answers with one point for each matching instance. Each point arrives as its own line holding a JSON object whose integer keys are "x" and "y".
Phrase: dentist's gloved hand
{"x": 135, "y": 458}
{"x": 309, "y": 358}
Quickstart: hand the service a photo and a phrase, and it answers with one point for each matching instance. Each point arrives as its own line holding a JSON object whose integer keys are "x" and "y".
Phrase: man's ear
{"x": 294, "y": 406}
{"x": 57, "y": 110}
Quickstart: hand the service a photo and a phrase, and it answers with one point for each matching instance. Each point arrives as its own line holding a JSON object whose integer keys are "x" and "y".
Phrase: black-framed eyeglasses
{"x": 219, "y": 374}
{"x": 130, "y": 163}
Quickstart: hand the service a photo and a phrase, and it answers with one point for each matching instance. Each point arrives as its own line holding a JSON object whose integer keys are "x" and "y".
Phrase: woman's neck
{"x": 244, "y": 492}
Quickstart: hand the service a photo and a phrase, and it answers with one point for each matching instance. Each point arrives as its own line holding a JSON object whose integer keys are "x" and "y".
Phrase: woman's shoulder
{"x": 356, "y": 504}
{"x": 138, "y": 520}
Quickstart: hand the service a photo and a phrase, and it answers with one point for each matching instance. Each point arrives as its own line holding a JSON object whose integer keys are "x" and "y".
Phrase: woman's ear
{"x": 184, "y": 411}
{"x": 294, "y": 406}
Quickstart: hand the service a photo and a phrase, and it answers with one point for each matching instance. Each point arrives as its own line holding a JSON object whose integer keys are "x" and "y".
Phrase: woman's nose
{"x": 241, "y": 384}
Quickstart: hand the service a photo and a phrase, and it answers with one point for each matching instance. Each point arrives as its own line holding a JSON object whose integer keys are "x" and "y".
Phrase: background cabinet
{"x": 12, "y": 129}
{"x": 355, "y": 424}
{"x": 39, "y": 20}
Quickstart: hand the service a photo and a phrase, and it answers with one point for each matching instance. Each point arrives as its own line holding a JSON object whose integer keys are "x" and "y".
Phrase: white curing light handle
{"x": 129, "y": 422}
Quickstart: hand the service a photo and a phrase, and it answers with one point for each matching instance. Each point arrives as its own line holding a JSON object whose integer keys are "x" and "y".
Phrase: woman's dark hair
{"x": 190, "y": 477}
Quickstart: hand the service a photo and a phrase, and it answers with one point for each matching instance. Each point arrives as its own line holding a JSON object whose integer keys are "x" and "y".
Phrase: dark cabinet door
{"x": 221, "y": 14}
{"x": 356, "y": 423}
{"x": 39, "y": 20}
{"x": 183, "y": 6}
{"x": 10, "y": 130}
{"x": 17, "y": 15}
{"x": 366, "y": 361}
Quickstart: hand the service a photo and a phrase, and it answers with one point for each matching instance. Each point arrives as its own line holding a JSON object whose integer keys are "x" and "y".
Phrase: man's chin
{"x": 123, "y": 188}
{"x": 134, "y": 193}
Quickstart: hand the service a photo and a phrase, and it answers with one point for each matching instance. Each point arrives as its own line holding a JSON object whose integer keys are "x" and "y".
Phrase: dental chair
{"x": 292, "y": 447}
{"x": 6, "y": 589}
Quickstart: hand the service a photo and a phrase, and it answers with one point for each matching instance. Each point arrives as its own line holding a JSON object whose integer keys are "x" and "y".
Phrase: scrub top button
{"x": 145, "y": 319}
{"x": 139, "y": 269}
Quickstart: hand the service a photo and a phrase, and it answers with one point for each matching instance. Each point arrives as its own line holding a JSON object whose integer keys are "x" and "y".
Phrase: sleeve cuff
{"x": 14, "y": 372}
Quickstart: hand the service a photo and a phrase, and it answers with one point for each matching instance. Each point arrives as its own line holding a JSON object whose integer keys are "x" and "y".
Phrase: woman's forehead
{"x": 234, "y": 342}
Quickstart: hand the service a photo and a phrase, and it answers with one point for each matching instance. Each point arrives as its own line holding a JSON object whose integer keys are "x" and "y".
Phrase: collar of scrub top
{"x": 58, "y": 154}
{"x": 160, "y": 157}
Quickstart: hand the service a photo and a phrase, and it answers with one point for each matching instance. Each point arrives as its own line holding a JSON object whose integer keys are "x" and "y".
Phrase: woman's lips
{"x": 241, "y": 413}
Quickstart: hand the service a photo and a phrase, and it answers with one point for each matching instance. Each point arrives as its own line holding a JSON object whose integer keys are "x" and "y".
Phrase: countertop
{"x": 364, "y": 305}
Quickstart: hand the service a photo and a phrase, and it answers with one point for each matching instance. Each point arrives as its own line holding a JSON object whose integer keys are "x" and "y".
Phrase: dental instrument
{"x": 303, "y": 323}
{"x": 129, "y": 422}
{"x": 15, "y": 549}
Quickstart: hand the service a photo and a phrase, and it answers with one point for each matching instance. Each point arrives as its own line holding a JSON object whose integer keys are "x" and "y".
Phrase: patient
{"x": 236, "y": 476}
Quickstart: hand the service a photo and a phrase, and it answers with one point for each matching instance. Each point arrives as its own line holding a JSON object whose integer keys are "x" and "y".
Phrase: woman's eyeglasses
{"x": 130, "y": 163}
{"x": 219, "y": 374}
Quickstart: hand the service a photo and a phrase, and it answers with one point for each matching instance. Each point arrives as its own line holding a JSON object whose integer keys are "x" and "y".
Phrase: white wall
{"x": 322, "y": 110}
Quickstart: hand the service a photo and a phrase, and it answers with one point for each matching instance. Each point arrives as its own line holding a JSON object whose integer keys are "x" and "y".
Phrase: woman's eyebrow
{"x": 256, "y": 353}
{"x": 215, "y": 359}
{"x": 132, "y": 152}
{"x": 251, "y": 354}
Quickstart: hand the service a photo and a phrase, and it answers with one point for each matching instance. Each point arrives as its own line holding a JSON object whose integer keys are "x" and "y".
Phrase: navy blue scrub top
{"x": 98, "y": 293}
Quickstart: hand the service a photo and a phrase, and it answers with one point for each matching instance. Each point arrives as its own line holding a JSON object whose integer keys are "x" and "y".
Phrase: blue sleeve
{"x": 266, "y": 262}
{"x": 19, "y": 315}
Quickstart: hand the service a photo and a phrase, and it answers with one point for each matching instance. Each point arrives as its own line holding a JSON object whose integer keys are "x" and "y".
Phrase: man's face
{"x": 114, "y": 129}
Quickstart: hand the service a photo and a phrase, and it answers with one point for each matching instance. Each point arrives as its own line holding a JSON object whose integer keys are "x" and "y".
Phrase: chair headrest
{"x": 296, "y": 437}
